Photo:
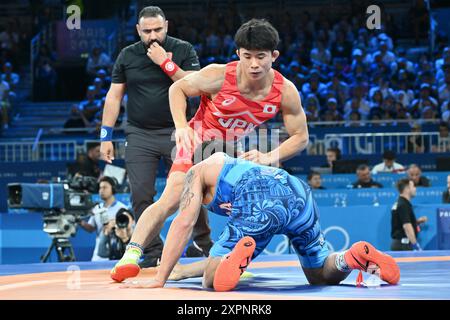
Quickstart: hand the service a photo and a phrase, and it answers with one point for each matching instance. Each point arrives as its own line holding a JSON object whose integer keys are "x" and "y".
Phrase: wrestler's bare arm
{"x": 181, "y": 228}
{"x": 207, "y": 81}
{"x": 294, "y": 119}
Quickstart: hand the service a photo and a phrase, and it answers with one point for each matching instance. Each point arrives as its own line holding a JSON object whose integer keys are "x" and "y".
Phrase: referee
{"x": 404, "y": 224}
{"x": 145, "y": 70}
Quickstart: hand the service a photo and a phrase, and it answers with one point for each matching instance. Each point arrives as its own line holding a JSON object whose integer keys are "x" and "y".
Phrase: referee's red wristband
{"x": 169, "y": 67}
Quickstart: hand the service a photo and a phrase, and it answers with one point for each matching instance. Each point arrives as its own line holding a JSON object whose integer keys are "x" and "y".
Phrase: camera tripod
{"x": 60, "y": 245}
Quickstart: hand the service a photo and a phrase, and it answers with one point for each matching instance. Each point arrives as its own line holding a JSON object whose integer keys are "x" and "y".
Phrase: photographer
{"x": 115, "y": 237}
{"x": 104, "y": 214}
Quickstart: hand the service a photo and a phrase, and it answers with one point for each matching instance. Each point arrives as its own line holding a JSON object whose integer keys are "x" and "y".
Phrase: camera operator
{"x": 115, "y": 237}
{"x": 104, "y": 214}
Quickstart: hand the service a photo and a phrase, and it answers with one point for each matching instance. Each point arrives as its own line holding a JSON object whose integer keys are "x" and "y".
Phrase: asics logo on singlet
{"x": 228, "y": 101}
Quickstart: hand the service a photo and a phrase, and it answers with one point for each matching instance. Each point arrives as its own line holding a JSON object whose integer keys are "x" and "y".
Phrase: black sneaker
{"x": 195, "y": 251}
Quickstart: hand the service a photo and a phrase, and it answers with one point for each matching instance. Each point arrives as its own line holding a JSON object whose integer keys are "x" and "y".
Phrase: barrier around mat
{"x": 388, "y": 180}
{"x": 23, "y": 241}
{"x": 341, "y": 197}
{"x": 443, "y": 230}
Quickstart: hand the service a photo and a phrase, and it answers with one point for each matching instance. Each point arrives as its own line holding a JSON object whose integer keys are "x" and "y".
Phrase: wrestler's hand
{"x": 177, "y": 273}
{"x": 107, "y": 151}
{"x": 144, "y": 284}
{"x": 184, "y": 138}
{"x": 157, "y": 53}
{"x": 258, "y": 157}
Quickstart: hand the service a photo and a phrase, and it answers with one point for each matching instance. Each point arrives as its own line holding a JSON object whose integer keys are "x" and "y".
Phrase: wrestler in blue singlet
{"x": 266, "y": 201}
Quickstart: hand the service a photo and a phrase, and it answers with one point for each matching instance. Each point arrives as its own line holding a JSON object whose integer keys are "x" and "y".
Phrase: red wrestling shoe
{"x": 363, "y": 256}
{"x": 232, "y": 266}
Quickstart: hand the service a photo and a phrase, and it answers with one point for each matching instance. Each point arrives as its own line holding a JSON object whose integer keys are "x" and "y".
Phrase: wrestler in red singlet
{"x": 229, "y": 116}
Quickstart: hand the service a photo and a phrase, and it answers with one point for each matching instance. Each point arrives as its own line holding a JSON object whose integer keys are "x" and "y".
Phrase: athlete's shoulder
{"x": 288, "y": 84}
{"x": 214, "y": 70}
{"x": 216, "y": 158}
{"x": 290, "y": 91}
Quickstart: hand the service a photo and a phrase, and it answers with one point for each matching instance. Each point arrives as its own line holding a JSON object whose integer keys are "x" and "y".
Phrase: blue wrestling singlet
{"x": 262, "y": 201}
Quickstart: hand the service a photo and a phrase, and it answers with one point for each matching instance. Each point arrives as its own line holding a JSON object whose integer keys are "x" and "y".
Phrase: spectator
{"x": 9, "y": 39}
{"x": 364, "y": 178}
{"x": 401, "y": 112}
{"x": 11, "y": 77}
{"x": 104, "y": 214}
{"x": 100, "y": 91}
{"x": 446, "y": 193}
{"x": 376, "y": 40}
{"x": 355, "y": 119}
{"x": 338, "y": 86}
{"x": 91, "y": 105}
{"x": 376, "y": 98}
{"x": 106, "y": 80}
{"x": 358, "y": 59}
{"x": 444, "y": 89}
{"x": 446, "y": 112}
{"x": 415, "y": 143}
{"x": 312, "y": 108}
{"x": 332, "y": 154}
{"x": 98, "y": 60}
{"x": 212, "y": 43}
{"x": 428, "y": 114}
{"x": 383, "y": 86}
{"x": 378, "y": 65}
{"x": 331, "y": 112}
{"x": 405, "y": 98}
{"x": 320, "y": 55}
{"x": 441, "y": 61}
{"x": 415, "y": 175}
{"x": 313, "y": 85}
{"x": 388, "y": 164}
{"x": 425, "y": 99}
{"x": 387, "y": 56}
{"x": 88, "y": 165}
{"x": 443, "y": 144}
{"x": 315, "y": 180}
{"x": 358, "y": 102}
{"x": 440, "y": 74}
{"x": 76, "y": 120}
{"x": 404, "y": 226}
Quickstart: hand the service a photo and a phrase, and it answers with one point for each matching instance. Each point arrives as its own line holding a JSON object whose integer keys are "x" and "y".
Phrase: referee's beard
{"x": 154, "y": 40}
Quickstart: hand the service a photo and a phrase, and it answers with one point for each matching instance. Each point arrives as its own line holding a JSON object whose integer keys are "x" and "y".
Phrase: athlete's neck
{"x": 250, "y": 85}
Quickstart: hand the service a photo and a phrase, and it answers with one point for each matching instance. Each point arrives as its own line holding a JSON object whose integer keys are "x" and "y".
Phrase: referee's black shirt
{"x": 402, "y": 212}
{"x": 147, "y": 85}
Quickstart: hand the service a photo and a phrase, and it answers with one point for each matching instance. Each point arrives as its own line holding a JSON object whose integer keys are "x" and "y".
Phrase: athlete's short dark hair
{"x": 257, "y": 34}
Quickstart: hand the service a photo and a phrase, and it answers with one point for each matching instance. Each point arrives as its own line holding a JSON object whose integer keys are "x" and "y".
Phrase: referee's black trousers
{"x": 143, "y": 151}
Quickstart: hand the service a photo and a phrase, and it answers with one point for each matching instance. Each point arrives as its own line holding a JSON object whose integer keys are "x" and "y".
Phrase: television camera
{"x": 63, "y": 204}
